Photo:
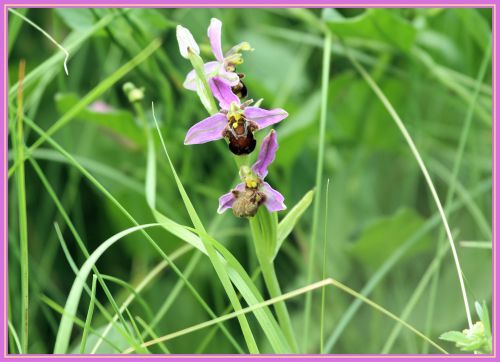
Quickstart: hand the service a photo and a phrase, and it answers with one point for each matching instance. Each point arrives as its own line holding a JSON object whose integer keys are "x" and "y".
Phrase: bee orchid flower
{"x": 235, "y": 121}
{"x": 225, "y": 65}
{"x": 253, "y": 191}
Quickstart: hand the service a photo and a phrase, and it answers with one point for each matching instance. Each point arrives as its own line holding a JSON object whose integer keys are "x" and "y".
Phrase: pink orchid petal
{"x": 210, "y": 129}
{"x": 214, "y": 35}
{"x": 223, "y": 93}
{"x": 226, "y": 201}
{"x": 230, "y": 78}
{"x": 264, "y": 117}
{"x": 211, "y": 69}
{"x": 274, "y": 200}
{"x": 267, "y": 154}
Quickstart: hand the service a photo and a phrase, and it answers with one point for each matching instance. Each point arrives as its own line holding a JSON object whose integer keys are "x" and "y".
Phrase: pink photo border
{"x": 232, "y": 4}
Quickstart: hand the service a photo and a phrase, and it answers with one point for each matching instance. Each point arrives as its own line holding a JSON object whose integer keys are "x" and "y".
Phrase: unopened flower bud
{"x": 133, "y": 93}
{"x": 186, "y": 42}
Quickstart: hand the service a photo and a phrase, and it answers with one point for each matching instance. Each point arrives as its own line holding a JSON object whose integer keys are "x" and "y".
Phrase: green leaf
{"x": 382, "y": 25}
{"x": 383, "y": 236}
{"x": 286, "y": 225}
{"x": 454, "y": 336}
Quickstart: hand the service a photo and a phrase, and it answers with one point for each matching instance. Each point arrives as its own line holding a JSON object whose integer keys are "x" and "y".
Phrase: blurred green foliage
{"x": 425, "y": 60}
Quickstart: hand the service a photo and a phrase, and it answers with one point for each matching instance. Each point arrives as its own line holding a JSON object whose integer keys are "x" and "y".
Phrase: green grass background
{"x": 379, "y": 229}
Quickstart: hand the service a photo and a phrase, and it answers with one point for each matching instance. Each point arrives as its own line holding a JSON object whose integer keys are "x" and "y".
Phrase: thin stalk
{"x": 323, "y": 290}
{"x": 228, "y": 309}
{"x": 415, "y": 297}
{"x": 151, "y": 332}
{"x": 147, "y": 279}
{"x": 325, "y": 78}
{"x": 23, "y": 222}
{"x": 88, "y": 319}
{"x": 13, "y": 333}
{"x": 453, "y": 183}
{"x": 47, "y": 35}
{"x": 425, "y": 172}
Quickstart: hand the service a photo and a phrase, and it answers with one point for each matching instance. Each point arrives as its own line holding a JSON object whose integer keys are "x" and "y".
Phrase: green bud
{"x": 133, "y": 93}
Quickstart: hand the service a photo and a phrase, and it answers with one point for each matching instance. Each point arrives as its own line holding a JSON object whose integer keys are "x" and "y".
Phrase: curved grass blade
{"x": 169, "y": 225}
{"x": 88, "y": 319}
{"x": 387, "y": 104}
{"x": 13, "y": 332}
{"x": 59, "y": 309}
{"x": 18, "y": 142}
{"x": 47, "y": 35}
{"x": 325, "y": 81}
{"x": 124, "y": 331}
{"x": 216, "y": 262}
{"x": 66, "y": 324}
{"x": 145, "y": 282}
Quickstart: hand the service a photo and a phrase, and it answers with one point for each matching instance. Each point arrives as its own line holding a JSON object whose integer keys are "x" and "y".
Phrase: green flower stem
{"x": 263, "y": 226}
{"x": 23, "y": 223}
{"x": 241, "y": 161}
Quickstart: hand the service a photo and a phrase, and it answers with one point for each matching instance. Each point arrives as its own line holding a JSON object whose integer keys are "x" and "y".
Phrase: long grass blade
{"x": 14, "y": 335}
{"x": 88, "y": 319}
{"x": 454, "y": 184}
{"x": 81, "y": 245}
{"x": 216, "y": 262}
{"x": 325, "y": 80}
{"x": 151, "y": 332}
{"x": 141, "y": 286}
{"x": 23, "y": 223}
{"x": 66, "y": 324}
{"x": 387, "y": 104}
{"x": 173, "y": 227}
{"x": 323, "y": 290}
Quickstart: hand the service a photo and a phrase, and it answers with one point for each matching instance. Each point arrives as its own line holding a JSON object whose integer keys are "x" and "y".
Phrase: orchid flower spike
{"x": 235, "y": 121}
{"x": 248, "y": 195}
{"x": 225, "y": 65}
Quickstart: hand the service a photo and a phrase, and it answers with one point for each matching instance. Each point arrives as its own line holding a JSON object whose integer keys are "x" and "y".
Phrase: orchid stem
{"x": 263, "y": 226}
